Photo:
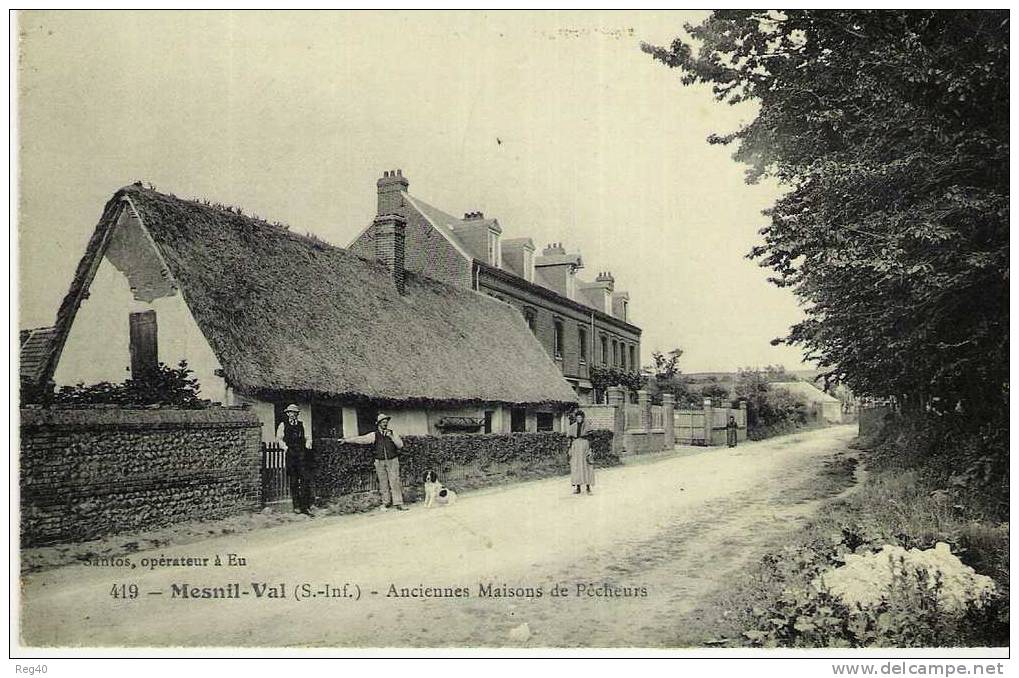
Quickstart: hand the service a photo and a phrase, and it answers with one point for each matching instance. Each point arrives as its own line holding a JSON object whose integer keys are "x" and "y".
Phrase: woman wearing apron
{"x": 581, "y": 463}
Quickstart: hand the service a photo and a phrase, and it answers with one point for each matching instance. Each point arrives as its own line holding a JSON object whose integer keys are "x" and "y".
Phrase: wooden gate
{"x": 275, "y": 483}
{"x": 689, "y": 427}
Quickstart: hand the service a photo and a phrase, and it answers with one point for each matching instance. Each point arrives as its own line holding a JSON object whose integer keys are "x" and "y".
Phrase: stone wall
{"x": 87, "y": 472}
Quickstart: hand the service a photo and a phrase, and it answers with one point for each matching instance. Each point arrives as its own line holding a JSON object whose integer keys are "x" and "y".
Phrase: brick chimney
{"x": 390, "y": 232}
{"x": 606, "y": 277}
{"x": 473, "y": 216}
{"x": 554, "y": 248}
{"x": 390, "y": 186}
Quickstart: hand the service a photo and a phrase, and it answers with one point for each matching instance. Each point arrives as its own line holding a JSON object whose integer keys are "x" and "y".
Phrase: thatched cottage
{"x": 266, "y": 317}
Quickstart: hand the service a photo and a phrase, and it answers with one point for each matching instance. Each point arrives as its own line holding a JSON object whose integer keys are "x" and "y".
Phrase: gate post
{"x": 668, "y": 422}
{"x": 614, "y": 397}
{"x": 744, "y": 423}
{"x": 644, "y": 403}
{"x": 709, "y": 422}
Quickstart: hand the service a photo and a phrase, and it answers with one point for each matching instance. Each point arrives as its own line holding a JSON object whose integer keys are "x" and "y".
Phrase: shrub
{"x": 163, "y": 385}
{"x": 907, "y": 502}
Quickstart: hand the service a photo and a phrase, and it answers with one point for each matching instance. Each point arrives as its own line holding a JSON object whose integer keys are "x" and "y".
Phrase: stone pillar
{"x": 614, "y": 397}
{"x": 744, "y": 417}
{"x": 668, "y": 419}
{"x": 644, "y": 403}
{"x": 709, "y": 421}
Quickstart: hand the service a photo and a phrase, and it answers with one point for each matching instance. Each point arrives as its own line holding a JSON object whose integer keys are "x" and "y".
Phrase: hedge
{"x": 499, "y": 458}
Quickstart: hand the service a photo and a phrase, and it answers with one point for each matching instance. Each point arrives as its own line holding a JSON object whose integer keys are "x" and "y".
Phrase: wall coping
{"x": 121, "y": 417}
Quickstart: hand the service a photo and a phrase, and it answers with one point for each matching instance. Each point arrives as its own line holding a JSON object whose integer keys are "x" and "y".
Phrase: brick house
{"x": 581, "y": 324}
{"x": 265, "y": 317}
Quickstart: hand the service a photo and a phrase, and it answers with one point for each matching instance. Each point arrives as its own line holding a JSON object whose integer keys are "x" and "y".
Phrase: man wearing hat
{"x": 387, "y": 445}
{"x": 290, "y": 435}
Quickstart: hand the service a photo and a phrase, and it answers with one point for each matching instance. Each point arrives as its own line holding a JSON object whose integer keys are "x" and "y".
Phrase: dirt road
{"x": 634, "y": 562}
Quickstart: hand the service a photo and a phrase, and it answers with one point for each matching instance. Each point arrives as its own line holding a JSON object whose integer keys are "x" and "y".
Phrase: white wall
{"x": 97, "y": 347}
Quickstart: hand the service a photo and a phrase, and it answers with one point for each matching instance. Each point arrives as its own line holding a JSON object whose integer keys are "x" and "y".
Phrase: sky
{"x": 555, "y": 123}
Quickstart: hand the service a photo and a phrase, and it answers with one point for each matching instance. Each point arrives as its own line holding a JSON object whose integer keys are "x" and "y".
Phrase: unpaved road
{"x": 678, "y": 528}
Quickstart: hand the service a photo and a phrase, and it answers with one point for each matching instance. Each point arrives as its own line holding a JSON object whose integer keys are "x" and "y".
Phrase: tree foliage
{"x": 603, "y": 377}
{"x": 889, "y": 131}
{"x": 169, "y": 386}
{"x": 769, "y": 409}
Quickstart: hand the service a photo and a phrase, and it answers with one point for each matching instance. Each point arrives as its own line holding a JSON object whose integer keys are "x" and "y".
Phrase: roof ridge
{"x": 235, "y": 211}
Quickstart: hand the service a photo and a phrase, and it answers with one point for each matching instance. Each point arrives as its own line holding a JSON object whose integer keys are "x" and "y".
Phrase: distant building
{"x": 267, "y": 317}
{"x": 581, "y": 324}
{"x": 829, "y": 408}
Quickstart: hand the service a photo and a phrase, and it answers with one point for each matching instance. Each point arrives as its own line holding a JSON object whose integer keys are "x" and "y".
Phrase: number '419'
{"x": 124, "y": 591}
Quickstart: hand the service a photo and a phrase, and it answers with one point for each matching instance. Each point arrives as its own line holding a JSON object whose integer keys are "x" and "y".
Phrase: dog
{"x": 436, "y": 493}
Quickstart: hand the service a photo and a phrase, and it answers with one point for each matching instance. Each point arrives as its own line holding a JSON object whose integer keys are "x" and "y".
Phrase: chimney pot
{"x": 390, "y": 186}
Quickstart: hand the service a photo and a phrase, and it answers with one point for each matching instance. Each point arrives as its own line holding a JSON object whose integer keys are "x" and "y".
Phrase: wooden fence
{"x": 275, "y": 479}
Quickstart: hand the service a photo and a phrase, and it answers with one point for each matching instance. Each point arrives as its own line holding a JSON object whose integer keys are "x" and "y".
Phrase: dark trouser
{"x": 302, "y": 480}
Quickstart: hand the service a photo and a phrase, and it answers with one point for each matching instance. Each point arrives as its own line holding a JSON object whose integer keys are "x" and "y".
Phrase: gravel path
{"x": 635, "y": 561}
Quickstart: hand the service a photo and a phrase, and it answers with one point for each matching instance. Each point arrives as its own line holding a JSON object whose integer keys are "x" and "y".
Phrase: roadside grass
{"x": 779, "y": 602}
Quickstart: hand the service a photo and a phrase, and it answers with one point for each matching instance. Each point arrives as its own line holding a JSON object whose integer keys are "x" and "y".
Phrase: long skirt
{"x": 581, "y": 468}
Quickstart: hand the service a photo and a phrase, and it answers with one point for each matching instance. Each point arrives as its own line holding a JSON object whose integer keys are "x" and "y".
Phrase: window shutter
{"x": 144, "y": 347}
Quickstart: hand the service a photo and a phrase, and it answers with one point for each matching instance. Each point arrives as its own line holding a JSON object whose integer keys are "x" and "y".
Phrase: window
{"x": 615, "y": 353}
{"x": 532, "y": 318}
{"x": 518, "y": 420}
{"x": 143, "y": 346}
{"x": 604, "y": 350}
{"x": 558, "y": 338}
{"x": 489, "y": 414}
{"x": 546, "y": 421}
{"x": 582, "y": 338}
{"x": 326, "y": 421}
{"x": 366, "y": 420}
{"x": 622, "y": 356}
{"x": 633, "y": 358}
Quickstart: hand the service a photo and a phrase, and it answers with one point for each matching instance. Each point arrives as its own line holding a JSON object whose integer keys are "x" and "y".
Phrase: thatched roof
{"x": 287, "y": 313}
{"x": 35, "y": 350}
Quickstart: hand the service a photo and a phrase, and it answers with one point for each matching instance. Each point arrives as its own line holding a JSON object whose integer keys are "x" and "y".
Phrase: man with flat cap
{"x": 387, "y": 445}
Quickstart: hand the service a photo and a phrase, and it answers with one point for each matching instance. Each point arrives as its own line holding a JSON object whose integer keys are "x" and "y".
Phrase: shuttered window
{"x": 144, "y": 346}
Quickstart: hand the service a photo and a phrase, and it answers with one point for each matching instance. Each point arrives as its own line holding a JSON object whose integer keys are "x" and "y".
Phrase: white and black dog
{"x": 436, "y": 492}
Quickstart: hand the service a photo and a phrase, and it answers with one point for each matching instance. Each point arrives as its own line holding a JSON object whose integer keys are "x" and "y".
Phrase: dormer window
{"x": 625, "y": 302}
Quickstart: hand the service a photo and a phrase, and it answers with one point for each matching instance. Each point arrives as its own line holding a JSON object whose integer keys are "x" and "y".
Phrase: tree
{"x": 889, "y": 131}
{"x": 663, "y": 376}
{"x": 665, "y": 366}
{"x": 768, "y": 407}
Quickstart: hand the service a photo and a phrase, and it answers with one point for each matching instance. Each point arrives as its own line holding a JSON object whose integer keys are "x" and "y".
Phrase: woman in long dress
{"x": 581, "y": 463}
{"x": 731, "y": 432}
